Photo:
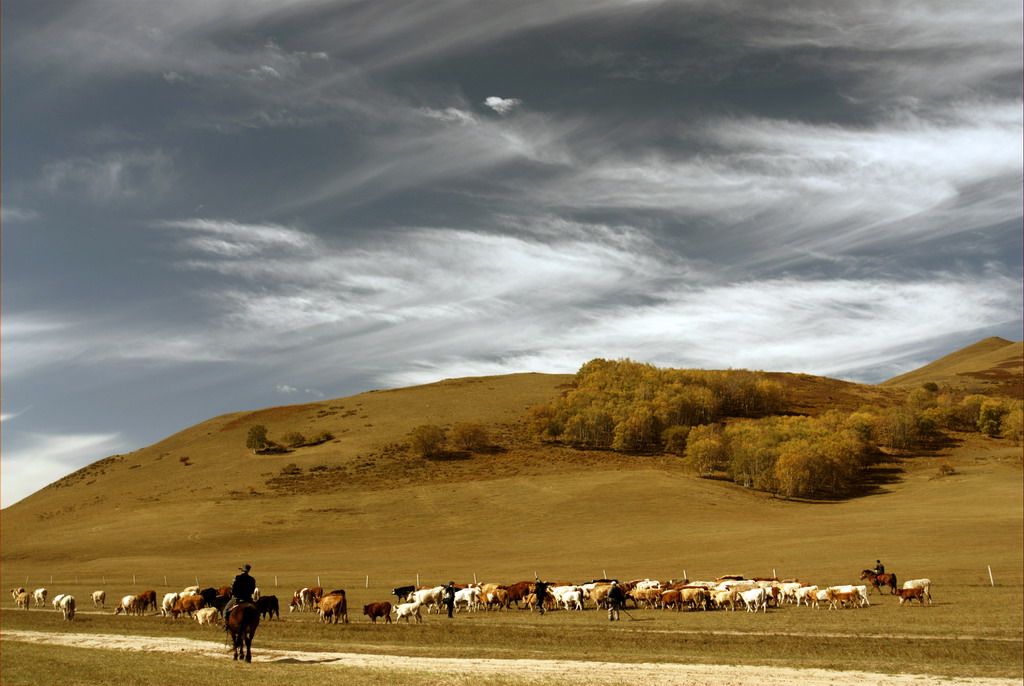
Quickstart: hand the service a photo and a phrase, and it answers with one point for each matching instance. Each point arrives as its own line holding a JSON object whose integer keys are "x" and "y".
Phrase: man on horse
{"x": 242, "y": 589}
{"x": 879, "y": 567}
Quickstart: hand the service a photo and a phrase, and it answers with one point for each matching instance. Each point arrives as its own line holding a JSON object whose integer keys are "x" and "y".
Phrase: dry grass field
{"x": 361, "y": 513}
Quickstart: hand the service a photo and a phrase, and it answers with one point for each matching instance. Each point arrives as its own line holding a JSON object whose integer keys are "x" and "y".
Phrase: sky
{"x": 219, "y": 206}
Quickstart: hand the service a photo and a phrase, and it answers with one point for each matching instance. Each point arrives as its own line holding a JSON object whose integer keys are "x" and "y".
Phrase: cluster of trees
{"x": 633, "y": 406}
{"x": 791, "y": 456}
{"x": 430, "y": 440}
{"x": 258, "y": 441}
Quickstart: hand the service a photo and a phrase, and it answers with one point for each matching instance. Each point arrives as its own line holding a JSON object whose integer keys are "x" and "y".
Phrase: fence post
{"x": 417, "y": 580}
{"x": 165, "y": 579}
{"x": 990, "y": 578}
{"x": 774, "y": 573}
{"x": 133, "y": 580}
{"x": 318, "y": 580}
{"x": 604, "y": 573}
{"x": 685, "y": 575}
{"x": 275, "y": 581}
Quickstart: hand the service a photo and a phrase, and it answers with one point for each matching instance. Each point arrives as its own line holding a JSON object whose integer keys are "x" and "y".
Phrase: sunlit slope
{"x": 359, "y": 505}
{"x": 993, "y": 363}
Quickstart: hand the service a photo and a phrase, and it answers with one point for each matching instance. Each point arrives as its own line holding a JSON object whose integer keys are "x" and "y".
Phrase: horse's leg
{"x": 248, "y": 645}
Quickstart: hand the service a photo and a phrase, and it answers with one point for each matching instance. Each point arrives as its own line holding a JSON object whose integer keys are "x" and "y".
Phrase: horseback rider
{"x": 879, "y": 568}
{"x": 242, "y": 588}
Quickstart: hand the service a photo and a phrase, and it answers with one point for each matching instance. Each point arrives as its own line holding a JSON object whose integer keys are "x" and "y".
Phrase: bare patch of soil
{"x": 565, "y": 671}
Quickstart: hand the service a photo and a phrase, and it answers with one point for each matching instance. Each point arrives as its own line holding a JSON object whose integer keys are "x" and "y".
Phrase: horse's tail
{"x": 893, "y": 583}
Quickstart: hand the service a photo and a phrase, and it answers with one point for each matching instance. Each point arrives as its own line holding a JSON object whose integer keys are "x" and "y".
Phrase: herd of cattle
{"x": 724, "y": 593}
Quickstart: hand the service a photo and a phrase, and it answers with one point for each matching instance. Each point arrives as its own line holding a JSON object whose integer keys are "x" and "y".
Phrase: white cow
{"x": 470, "y": 597}
{"x": 788, "y": 590}
{"x": 39, "y": 597}
{"x": 190, "y": 590}
{"x": 862, "y": 592}
{"x": 755, "y": 599}
{"x": 56, "y": 601}
{"x": 807, "y": 595}
{"x": 99, "y": 598}
{"x": 924, "y": 584}
{"x": 208, "y": 615}
{"x": 167, "y": 605}
{"x": 407, "y": 610}
{"x": 431, "y": 597}
{"x": 67, "y": 607}
{"x": 130, "y": 605}
{"x": 569, "y": 597}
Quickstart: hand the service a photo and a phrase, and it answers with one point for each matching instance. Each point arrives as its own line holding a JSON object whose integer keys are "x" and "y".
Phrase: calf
{"x": 911, "y": 593}
{"x": 23, "y": 599}
{"x": 208, "y": 615}
{"x": 39, "y": 597}
{"x": 846, "y": 598}
{"x": 407, "y": 610}
{"x": 99, "y": 598}
{"x": 375, "y": 610}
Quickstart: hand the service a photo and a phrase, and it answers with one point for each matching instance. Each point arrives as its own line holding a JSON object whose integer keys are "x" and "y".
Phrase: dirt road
{"x": 564, "y": 671}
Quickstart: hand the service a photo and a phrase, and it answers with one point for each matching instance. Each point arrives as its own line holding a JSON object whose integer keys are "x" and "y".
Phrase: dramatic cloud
{"x": 34, "y": 460}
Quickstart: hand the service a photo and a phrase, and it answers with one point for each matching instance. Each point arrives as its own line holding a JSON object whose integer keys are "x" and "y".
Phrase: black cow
{"x": 267, "y": 605}
{"x": 402, "y": 592}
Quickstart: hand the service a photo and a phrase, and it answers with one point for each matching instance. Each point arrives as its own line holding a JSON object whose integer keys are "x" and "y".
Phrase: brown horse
{"x": 879, "y": 580}
{"x": 242, "y": 622}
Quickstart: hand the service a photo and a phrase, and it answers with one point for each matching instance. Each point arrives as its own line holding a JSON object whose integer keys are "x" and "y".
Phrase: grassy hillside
{"x": 990, "y": 365}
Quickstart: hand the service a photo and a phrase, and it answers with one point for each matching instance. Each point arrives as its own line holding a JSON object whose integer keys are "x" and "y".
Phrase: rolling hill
{"x": 199, "y": 502}
{"x": 993, "y": 364}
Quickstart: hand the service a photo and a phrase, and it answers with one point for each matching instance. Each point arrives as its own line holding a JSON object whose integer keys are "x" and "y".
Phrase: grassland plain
{"x": 366, "y": 516}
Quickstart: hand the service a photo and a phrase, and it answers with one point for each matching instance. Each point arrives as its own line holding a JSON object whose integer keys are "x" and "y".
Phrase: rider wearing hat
{"x": 242, "y": 588}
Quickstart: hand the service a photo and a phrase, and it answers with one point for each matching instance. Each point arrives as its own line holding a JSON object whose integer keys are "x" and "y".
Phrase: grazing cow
{"x": 755, "y": 599}
{"x": 727, "y": 598}
{"x": 402, "y": 592}
{"x": 845, "y": 598}
{"x": 147, "y": 599}
{"x": 99, "y": 599}
{"x": 497, "y": 598}
{"x": 168, "y": 603}
{"x": 924, "y": 584}
{"x": 807, "y": 595}
{"x": 268, "y": 607}
{"x": 189, "y": 604}
{"x": 407, "y": 610}
{"x": 208, "y": 615}
{"x": 468, "y": 597}
{"x": 569, "y": 597}
{"x": 22, "y": 600}
{"x": 56, "y": 601}
{"x": 39, "y": 597}
{"x": 129, "y": 605}
{"x": 333, "y": 607}
{"x": 518, "y": 591}
{"x": 695, "y": 597}
{"x": 431, "y": 597}
{"x": 67, "y": 607}
{"x": 15, "y": 592}
{"x": 190, "y": 590}
{"x": 911, "y": 593}
{"x": 210, "y": 594}
{"x": 375, "y": 610}
{"x": 670, "y": 599}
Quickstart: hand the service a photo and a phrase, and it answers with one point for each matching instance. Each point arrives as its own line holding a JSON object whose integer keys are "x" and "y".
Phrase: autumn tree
{"x": 705, "y": 449}
{"x": 674, "y": 439}
{"x": 293, "y": 439}
{"x": 469, "y": 436}
{"x": 427, "y": 439}
{"x": 257, "y": 438}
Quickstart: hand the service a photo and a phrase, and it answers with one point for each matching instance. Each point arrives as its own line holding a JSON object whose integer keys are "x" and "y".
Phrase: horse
{"x": 879, "y": 580}
{"x": 242, "y": 622}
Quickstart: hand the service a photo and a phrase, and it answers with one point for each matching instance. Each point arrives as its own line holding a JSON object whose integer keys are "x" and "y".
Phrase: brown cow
{"x": 224, "y": 590}
{"x": 375, "y": 610}
{"x": 188, "y": 605}
{"x": 333, "y": 607}
{"x": 671, "y": 598}
{"x": 518, "y": 591}
{"x": 147, "y": 599}
{"x": 911, "y": 593}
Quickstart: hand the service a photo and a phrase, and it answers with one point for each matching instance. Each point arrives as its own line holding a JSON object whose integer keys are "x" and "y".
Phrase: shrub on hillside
{"x": 427, "y": 439}
{"x": 469, "y": 436}
{"x": 293, "y": 439}
{"x": 256, "y": 440}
